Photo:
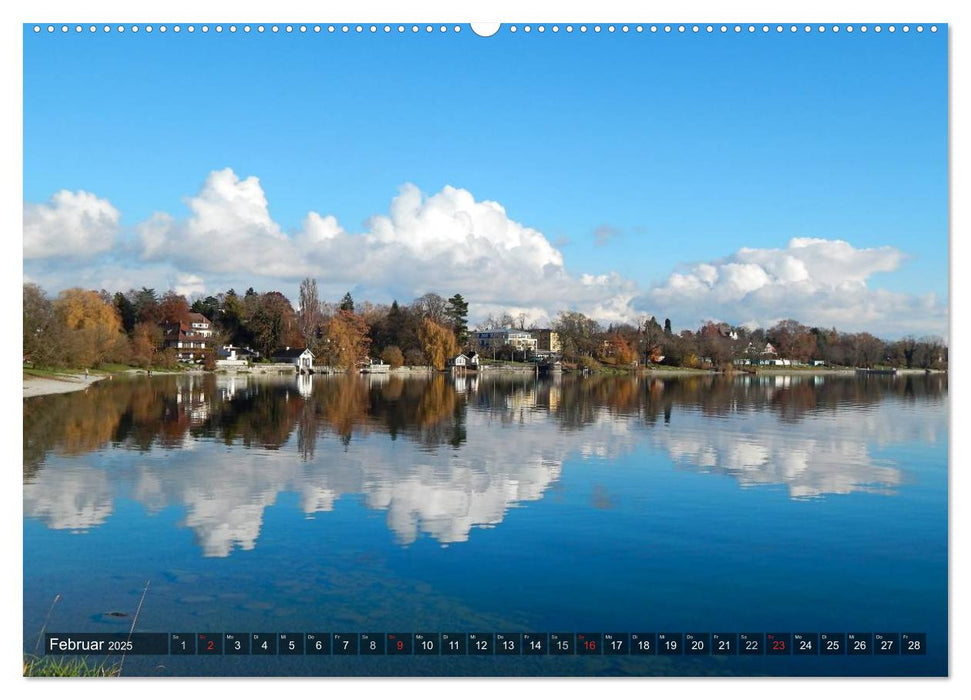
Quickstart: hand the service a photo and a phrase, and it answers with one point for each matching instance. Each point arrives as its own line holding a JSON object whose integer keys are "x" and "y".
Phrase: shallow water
{"x": 349, "y": 504}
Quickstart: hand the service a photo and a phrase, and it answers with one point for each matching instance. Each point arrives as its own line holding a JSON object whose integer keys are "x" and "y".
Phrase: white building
{"x": 301, "y": 358}
{"x": 463, "y": 361}
{"x": 231, "y": 356}
{"x": 494, "y": 339}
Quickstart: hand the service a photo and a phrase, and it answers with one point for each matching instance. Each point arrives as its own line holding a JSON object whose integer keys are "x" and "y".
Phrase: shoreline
{"x": 59, "y": 384}
{"x": 70, "y": 382}
{"x": 833, "y": 370}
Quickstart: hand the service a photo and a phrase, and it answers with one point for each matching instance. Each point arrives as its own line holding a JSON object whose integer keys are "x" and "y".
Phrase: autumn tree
{"x": 437, "y": 342}
{"x": 173, "y": 308}
{"x": 393, "y": 356}
{"x": 93, "y": 332}
{"x": 793, "y": 340}
{"x": 146, "y": 344}
{"x": 346, "y": 340}
{"x": 867, "y": 349}
{"x": 620, "y": 350}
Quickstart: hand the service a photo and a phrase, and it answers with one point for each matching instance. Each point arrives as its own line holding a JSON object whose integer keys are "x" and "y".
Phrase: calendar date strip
{"x": 489, "y": 643}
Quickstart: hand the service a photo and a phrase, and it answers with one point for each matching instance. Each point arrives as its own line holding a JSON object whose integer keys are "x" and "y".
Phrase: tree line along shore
{"x": 88, "y": 329}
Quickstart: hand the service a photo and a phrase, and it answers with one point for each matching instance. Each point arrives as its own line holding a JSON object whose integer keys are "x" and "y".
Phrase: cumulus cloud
{"x": 230, "y": 230}
{"x": 318, "y": 229}
{"x": 445, "y": 241}
{"x": 78, "y": 498}
{"x": 71, "y": 224}
{"x": 452, "y": 241}
{"x": 448, "y": 242}
{"x": 815, "y": 280}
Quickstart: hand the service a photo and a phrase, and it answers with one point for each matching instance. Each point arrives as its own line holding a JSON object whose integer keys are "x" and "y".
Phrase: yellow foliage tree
{"x": 92, "y": 328}
{"x": 437, "y": 342}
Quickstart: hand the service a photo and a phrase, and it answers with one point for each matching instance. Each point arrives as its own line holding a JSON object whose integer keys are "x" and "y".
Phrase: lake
{"x": 492, "y": 504}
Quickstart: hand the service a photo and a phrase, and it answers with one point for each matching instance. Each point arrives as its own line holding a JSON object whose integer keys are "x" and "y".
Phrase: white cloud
{"x": 512, "y": 455}
{"x": 77, "y": 498}
{"x": 154, "y": 234}
{"x": 189, "y": 285}
{"x": 71, "y": 224}
{"x": 230, "y": 230}
{"x": 815, "y": 280}
{"x": 451, "y": 242}
{"x": 817, "y": 459}
{"x": 436, "y": 492}
{"x": 445, "y": 242}
{"x": 318, "y": 229}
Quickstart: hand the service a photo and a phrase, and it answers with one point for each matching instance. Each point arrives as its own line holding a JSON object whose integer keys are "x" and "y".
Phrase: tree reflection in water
{"x": 473, "y": 446}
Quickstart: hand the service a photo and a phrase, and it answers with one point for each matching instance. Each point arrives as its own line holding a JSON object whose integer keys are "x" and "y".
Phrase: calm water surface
{"x": 348, "y": 504}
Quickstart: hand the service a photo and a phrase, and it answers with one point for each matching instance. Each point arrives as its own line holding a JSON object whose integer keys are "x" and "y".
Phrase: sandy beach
{"x": 61, "y": 384}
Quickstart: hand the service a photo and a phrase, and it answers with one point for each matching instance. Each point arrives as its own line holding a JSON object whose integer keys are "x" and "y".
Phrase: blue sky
{"x": 631, "y": 169}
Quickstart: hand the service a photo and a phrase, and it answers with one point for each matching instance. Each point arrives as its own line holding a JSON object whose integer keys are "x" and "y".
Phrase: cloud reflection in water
{"x": 442, "y": 457}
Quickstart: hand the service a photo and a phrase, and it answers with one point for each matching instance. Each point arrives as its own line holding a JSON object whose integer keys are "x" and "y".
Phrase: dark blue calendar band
{"x": 489, "y": 643}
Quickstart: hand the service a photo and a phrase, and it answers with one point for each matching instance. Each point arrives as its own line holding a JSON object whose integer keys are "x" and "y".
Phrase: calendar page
{"x": 454, "y": 349}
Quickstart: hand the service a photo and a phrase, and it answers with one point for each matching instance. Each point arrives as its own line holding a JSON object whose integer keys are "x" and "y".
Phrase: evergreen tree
{"x": 667, "y": 326}
{"x": 126, "y": 311}
{"x": 208, "y": 307}
{"x": 394, "y": 324}
{"x": 347, "y": 303}
{"x": 457, "y": 312}
{"x": 146, "y": 305}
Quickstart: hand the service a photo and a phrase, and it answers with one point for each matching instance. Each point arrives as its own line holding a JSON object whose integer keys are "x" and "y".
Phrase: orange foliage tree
{"x": 346, "y": 340}
{"x": 622, "y": 350}
{"x": 146, "y": 342}
{"x": 173, "y": 308}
